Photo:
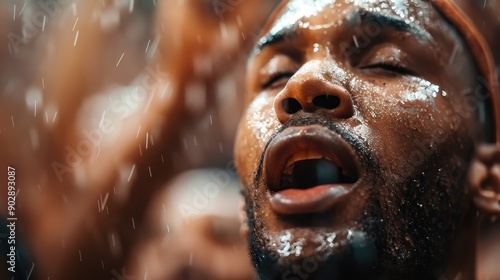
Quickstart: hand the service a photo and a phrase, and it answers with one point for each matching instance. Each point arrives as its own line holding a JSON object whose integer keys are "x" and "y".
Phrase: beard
{"x": 407, "y": 228}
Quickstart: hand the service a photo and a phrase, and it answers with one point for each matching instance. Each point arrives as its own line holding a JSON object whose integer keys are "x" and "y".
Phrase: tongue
{"x": 315, "y": 186}
{"x": 315, "y": 172}
{"x": 312, "y": 200}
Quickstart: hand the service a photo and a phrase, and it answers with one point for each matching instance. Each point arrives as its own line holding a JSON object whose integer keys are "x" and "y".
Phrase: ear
{"x": 484, "y": 179}
{"x": 243, "y": 218}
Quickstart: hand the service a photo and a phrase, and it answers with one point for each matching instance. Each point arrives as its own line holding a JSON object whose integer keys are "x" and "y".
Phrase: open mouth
{"x": 309, "y": 169}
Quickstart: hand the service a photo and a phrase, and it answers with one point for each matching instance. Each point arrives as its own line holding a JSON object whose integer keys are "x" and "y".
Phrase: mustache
{"x": 359, "y": 146}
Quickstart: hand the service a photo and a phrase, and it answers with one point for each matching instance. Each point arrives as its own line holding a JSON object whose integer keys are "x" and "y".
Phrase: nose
{"x": 310, "y": 90}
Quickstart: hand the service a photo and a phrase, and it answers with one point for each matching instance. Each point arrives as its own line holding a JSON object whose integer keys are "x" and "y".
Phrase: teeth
{"x": 303, "y": 155}
{"x": 320, "y": 168}
{"x": 329, "y": 158}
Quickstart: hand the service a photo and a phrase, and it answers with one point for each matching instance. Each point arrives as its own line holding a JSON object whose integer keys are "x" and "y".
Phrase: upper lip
{"x": 296, "y": 142}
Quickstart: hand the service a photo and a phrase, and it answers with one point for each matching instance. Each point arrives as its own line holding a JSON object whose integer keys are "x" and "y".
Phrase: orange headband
{"x": 480, "y": 51}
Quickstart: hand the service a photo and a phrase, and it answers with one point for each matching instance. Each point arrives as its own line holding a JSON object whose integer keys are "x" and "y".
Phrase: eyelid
{"x": 389, "y": 63}
{"x": 280, "y": 66}
{"x": 275, "y": 76}
{"x": 392, "y": 67}
{"x": 389, "y": 57}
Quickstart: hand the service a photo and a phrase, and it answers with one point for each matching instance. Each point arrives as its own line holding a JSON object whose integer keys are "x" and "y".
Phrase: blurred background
{"x": 105, "y": 104}
{"x": 118, "y": 117}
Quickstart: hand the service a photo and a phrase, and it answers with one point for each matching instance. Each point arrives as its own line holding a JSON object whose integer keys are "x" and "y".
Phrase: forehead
{"x": 325, "y": 14}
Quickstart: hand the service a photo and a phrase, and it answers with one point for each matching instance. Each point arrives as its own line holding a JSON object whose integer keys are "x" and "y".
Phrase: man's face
{"x": 356, "y": 140}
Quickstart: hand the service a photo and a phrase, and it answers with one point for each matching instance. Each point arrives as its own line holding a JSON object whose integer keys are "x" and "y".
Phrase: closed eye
{"x": 391, "y": 66}
{"x": 276, "y": 79}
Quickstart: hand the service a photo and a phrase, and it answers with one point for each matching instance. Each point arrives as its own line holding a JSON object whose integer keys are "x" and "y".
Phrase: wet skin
{"x": 384, "y": 92}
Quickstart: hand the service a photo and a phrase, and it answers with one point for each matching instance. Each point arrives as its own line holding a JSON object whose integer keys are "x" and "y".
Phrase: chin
{"x": 304, "y": 253}
{"x": 383, "y": 243}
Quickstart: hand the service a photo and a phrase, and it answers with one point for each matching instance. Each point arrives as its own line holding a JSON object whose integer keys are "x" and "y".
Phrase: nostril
{"x": 327, "y": 101}
{"x": 291, "y": 105}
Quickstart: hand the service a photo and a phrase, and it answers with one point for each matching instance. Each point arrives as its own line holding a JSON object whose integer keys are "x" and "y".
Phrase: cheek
{"x": 256, "y": 128}
{"x": 261, "y": 119}
{"x": 409, "y": 121}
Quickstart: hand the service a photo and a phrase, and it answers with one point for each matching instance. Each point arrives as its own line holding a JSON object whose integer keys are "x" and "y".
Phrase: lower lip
{"x": 313, "y": 200}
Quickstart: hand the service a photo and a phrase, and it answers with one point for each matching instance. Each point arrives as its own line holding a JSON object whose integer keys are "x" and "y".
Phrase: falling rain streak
{"x": 74, "y": 25}
{"x": 131, "y": 173}
{"x": 120, "y": 60}
{"x": 76, "y": 37}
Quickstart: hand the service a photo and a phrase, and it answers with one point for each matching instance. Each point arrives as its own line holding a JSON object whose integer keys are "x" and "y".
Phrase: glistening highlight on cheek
{"x": 261, "y": 119}
{"x": 421, "y": 91}
{"x": 405, "y": 95}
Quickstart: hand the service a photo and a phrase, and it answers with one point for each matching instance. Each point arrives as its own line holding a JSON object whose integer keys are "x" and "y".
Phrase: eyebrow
{"x": 270, "y": 38}
{"x": 388, "y": 21}
{"x": 365, "y": 17}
